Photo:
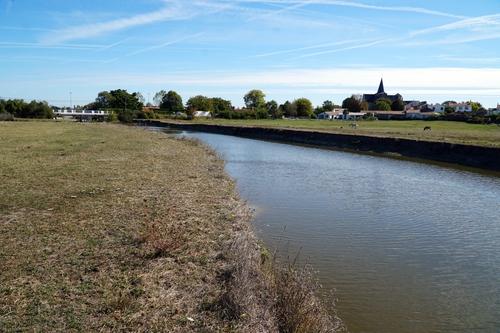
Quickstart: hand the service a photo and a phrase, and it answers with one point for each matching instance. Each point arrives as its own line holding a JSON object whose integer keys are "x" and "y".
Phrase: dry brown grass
{"x": 110, "y": 228}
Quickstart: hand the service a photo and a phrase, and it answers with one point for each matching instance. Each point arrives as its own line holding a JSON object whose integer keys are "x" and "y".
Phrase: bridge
{"x": 82, "y": 115}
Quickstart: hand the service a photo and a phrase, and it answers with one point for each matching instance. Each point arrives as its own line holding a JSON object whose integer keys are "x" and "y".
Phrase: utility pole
{"x": 71, "y": 100}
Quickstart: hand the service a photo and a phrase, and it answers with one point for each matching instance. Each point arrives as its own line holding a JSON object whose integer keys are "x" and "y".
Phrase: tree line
{"x": 127, "y": 106}
{"x": 21, "y": 109}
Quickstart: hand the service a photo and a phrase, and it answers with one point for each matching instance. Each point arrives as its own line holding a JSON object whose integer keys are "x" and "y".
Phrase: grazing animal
{"x": 427, "y": 128}
{"x": 354, "y": 125}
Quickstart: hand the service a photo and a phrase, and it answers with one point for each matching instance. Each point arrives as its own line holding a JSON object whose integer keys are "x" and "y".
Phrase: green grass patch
{"x": 442, "y": 131}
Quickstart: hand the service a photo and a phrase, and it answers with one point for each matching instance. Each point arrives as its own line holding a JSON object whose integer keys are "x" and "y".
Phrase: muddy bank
{"x": 487, "y": 158}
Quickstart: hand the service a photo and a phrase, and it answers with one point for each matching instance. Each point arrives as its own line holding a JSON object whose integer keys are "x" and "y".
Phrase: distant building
{"x": 419, "y": 114}
{"x": 352, "y": 116}
{"x": 371, "y": 99}
{"x": 329, "y": 115}
{"x": 150, "y": 108}
{"x": 494, "y": 111}
{"x": 439, "y": 108}
{"x": 202, "y": 114}
{"x": 414, "y": 106}
{"x": 463, "y": 107}
{"x": 388, "y": 115}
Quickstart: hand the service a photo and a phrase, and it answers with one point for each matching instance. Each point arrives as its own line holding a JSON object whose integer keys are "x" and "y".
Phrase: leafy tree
{"x": 2, "y": 106}
{"x": 328, "y": 106}
{"x": 14, "y": 106}
{"x": 353, "y": 104}
{"x": 449, "y": 109}
{"x": 172, "y": 102}
{"x": 288, "y": 109}
{"x": 383, "y": 104}
{"x": 318, "y": 110}
{"x": 118, "y": 99}
{"x": 476, "y": 106}
{"x": 35, "y": 109}
{"x": 273, "y": 109}
{"x": 398, "y": 104}
{"x": 199, "y": 103}
{"x": 220, "y": 105}
{"x": 255, "y": 99}
{"x": 159, "y": 97}
{"x": 304, "y": 107}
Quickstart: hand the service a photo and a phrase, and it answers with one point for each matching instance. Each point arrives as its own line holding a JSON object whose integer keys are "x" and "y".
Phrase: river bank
{"x": 106, "y": 228}
{"x": 481, "y": 157}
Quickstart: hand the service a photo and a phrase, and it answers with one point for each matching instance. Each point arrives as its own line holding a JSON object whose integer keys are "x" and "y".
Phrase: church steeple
{"x": 381, "y": 87}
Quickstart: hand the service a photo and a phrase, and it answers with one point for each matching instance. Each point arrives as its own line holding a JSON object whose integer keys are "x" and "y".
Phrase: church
{"x": 373, "y": 98}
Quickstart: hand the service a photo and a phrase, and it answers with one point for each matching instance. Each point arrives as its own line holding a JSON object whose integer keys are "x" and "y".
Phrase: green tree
{"x": 352, "y": 104}
{"x": 199, "y": 103}
{"x": 449, "y": 109}
{"x": 476, "y": 106}
{"x": 35, "y": 109}
{"x": 328, "y": 106}
{"x": 273, "y": 109}
{"x": 172, "y": 102}
{"x": 383, "y": 104}
{"x": 119, "y": 99}
{"x": 220, "y": 106}
{"x": 255, "y": 99}
{"x": 304, "y": 107}
{"x": 398, "y": 104}
{"x": 288, "y": 109}
{"x": 14, "y": 106}
{"x": 159, "y": 97}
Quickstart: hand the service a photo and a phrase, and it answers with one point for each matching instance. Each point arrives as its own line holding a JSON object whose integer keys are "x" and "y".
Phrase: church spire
{"x": 381, "y": 87}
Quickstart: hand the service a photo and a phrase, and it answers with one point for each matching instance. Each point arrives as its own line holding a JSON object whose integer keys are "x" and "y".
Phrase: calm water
{"x": 408, "y": 247}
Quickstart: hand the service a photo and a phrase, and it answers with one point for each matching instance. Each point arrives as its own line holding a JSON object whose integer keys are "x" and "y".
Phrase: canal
{"x": 408, "y": 247}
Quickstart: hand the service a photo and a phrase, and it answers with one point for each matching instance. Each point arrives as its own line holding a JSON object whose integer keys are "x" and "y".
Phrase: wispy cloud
{"x": 12, "y": 45}
{"x": 311, "y": 47}
{"x": 156, "y": 47}
{"x": 460, "y": 32}
{"x": 172, "y": 10}
{"x": 301, "y": 3}
{"x": 348, "y": 48}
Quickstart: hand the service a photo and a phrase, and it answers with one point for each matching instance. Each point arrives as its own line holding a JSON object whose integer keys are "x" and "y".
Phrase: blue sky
{"x": 320, "y": 49}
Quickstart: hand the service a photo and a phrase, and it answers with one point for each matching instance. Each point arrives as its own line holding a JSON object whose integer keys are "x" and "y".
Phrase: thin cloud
{"x": 361, "y": 5}
{"x": 11, "y": 45}
{"x": 463, "y": 31}
{"x": 159, "y": 46}
{"x": 317, "y": 46}
{"x": 93, "y": 30}
{"x": 348, "y": 48}
{"x": 172, "y": 11}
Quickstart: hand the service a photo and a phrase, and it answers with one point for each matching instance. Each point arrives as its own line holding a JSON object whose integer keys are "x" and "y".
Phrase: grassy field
{"x": 447, "y": 131}
{"x": 113, "y": 228}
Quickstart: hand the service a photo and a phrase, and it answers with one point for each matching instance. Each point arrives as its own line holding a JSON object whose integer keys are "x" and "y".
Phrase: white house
{"x": 202, "y": 114}
{"x": 329, "y": 115}
{"x": 463, "y": 107}
{"x": 436, "y": 107}
{"x": 352, "y": 116}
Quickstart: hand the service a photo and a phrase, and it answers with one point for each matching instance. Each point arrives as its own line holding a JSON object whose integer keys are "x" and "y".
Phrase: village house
{"x": 439, "y": 108}
{"x": 415, "y": 106}
{"x": 202, "y": 114}
{"x": 330, "y": 115}
{"x": 463, "y": 107}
